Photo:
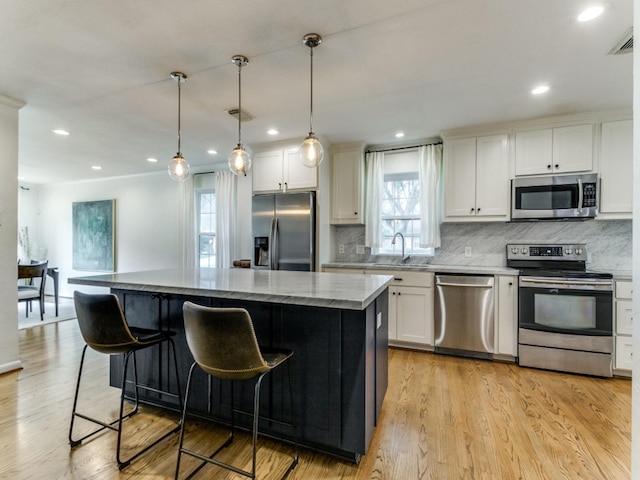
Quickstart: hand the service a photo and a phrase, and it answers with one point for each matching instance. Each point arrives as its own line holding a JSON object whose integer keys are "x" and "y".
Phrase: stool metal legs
{"x": 116, "y": 425}
{"x": 256, "y": 417}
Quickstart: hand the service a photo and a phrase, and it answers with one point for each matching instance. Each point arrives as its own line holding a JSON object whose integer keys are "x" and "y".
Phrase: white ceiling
{"x": 100, "y": 69}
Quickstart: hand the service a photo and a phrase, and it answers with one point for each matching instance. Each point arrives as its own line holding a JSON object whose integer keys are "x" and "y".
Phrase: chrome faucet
{"x": 393, "y": 242}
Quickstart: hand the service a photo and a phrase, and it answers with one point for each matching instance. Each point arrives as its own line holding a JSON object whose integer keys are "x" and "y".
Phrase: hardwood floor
{"x": 443, "y": 418}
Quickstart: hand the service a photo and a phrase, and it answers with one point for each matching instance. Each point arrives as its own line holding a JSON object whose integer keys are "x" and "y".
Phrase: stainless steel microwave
{"x": 554, "y": 197}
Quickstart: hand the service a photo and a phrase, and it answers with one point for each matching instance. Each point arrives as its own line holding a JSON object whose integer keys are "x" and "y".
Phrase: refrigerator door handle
{"x": 274, "y": 244}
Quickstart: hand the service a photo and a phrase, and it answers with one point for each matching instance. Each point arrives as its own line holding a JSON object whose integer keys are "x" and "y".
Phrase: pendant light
{"x": 178, "y": 167}
{"x": 239, "y": 159}
{"x": 311, "y": 151}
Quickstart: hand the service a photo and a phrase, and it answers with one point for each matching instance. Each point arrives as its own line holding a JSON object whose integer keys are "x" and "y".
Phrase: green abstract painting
{"x": 93, "y": 235}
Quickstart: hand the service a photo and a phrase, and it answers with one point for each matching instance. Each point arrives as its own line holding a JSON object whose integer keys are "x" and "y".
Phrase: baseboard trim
{"x": 10, "y": 366}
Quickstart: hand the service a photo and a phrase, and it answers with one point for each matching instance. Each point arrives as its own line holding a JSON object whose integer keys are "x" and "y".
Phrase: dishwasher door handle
{"x": 465, "y": 285}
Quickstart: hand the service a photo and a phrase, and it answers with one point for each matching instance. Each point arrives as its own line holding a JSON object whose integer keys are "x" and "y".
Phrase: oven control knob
{"x": 568, "y": 251}
{"x": 523, "y": 250}
{"x": 514, "y": 250}
{"x": 579, "y": 251}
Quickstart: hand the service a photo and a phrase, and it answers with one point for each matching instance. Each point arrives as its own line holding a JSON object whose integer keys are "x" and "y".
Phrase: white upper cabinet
{"x": 476, "y": 179}
{"x": 347, "y": 179}
{"x": 534, "y": 152}
{"x": 616, "y": 169}
{"x": 554, "y": 150}
{"x": 281, "y": 170}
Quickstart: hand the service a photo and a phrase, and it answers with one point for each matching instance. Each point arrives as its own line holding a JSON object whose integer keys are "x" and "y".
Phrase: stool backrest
{"x": 102, "y": 323}
{"x": 223, "y": 341}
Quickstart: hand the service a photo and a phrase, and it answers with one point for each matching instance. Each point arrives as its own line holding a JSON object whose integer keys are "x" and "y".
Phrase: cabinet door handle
{"x": 472, "y": 210}
{"x": 286, "y": 185}
{"x": 399, "y": 279}
{"x": 279, "y": 186}
{"x": 355, "y": 213}
{"x": 511, "y": 284}
{"x": 549, "y": 167}
{"x": 393, "y": 293}
{"x": 557, "y": 165}
{"x": 478, "y": 211}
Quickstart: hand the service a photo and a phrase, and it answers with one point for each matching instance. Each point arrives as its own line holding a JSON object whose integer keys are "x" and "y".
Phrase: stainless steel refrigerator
{"x": 283, "y": 230}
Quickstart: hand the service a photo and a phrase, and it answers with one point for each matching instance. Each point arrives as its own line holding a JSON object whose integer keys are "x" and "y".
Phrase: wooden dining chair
{"x": 35, "y": 275}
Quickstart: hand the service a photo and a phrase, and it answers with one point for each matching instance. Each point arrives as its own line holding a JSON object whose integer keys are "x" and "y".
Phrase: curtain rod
{"x": 404, "y": 148}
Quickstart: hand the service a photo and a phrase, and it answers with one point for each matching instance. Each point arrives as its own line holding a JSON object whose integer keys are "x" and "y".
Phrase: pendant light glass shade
{"x": 178, "y": 167}
{"x": 311, "y": 151}
{"x": 239, "y": 159}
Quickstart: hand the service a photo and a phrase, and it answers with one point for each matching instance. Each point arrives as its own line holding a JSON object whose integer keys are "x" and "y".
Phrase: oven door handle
{"x": 578, "y": 283}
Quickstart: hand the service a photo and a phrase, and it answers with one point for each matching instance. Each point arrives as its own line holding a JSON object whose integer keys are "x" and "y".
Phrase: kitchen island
{"x": 336, "y": 324}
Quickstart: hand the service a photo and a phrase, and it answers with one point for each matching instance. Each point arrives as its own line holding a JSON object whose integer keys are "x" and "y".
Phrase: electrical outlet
{"x": 467, "y": 251}
{"x": 341, "y": 248}
{"x": 360, "y": 249}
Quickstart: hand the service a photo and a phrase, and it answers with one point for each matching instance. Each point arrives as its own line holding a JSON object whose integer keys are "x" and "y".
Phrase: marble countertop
{"x": 471, "y": 269}
{"x": 330, "y": 290}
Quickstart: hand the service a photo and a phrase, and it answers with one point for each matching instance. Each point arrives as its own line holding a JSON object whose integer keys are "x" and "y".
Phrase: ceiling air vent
{"x": 624, "y": 45}
{"x": 244, "y": 115}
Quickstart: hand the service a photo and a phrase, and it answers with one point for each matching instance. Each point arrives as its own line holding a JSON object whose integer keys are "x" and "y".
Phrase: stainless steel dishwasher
{"x": 464, "y": 320}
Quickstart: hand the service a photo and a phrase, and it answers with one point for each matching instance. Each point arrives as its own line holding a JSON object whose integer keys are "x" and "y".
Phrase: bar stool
{"x": 105, "y": 329}
{"x": 224, "y": 345}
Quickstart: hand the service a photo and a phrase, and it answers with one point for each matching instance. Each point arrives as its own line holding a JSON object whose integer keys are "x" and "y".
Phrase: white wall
{"x": 147, "y": 232}
{"x": 8, "y": 233}
{"x": 635, "y": 395}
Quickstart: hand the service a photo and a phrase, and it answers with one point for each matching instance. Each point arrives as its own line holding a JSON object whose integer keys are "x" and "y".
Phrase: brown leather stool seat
{"x": 224, "y": 345}
{"x": 105, "y": 329}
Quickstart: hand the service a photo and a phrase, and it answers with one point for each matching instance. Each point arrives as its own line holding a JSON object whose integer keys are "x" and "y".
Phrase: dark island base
{"x": 339, "y": 368}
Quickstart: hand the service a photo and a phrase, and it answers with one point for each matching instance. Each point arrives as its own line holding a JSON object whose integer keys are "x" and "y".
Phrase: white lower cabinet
{"x": 623, "y": 326}
{"x": 506, "y": 331}
{"x": 410, "y": 306}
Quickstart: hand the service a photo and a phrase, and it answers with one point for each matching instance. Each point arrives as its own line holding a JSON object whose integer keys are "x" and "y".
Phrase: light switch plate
{"x": 360, "y": 249}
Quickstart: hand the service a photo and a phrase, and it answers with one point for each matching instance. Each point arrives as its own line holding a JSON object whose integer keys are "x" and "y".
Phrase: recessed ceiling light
{"x": 212, "y": 152}
{"x": 152, "y": 160}
{"x": 590, "y": 13}
{"x": 273, "y": 131}
{"x": 540, "y": 89}
{"x": 96, "y": 167}
{"x": 399, "y": 134}
{"x": 59, "y": 131}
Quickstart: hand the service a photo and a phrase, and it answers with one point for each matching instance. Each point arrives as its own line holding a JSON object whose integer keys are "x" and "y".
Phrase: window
{"x": 206, "y": 216}
{"x": 401, "y": 205}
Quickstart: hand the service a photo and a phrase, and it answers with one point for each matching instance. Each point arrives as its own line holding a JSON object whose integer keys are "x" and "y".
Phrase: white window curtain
{"x": 225, "y": 218}
{"x": 187, "y": 223}
{"x": 373, "y": 202}
{"x": 429, "y": 174}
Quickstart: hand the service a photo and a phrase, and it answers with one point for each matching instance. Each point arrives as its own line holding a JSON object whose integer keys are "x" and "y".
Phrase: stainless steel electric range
{"x": 565, "y": 312}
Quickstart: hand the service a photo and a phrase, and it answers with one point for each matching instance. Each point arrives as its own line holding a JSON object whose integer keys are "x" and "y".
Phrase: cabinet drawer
{"x": 624, "y": 353}
{"x": 407, "y": 279}
{"x": 624, "y": 289}
{"x": 624, "y": 317}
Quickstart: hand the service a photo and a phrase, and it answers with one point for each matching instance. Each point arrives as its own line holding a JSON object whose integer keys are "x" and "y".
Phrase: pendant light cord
{"x": 179, "y": 98}
{"x": 239, "y": 103}
{"x": 311, "y": 96}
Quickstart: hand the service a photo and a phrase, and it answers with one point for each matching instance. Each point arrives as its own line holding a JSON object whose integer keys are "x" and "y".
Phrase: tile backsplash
{"x": 609, "y": 243}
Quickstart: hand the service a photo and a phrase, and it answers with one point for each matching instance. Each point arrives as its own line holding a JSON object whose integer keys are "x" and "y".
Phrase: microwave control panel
{"x": 589, "y": 195}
